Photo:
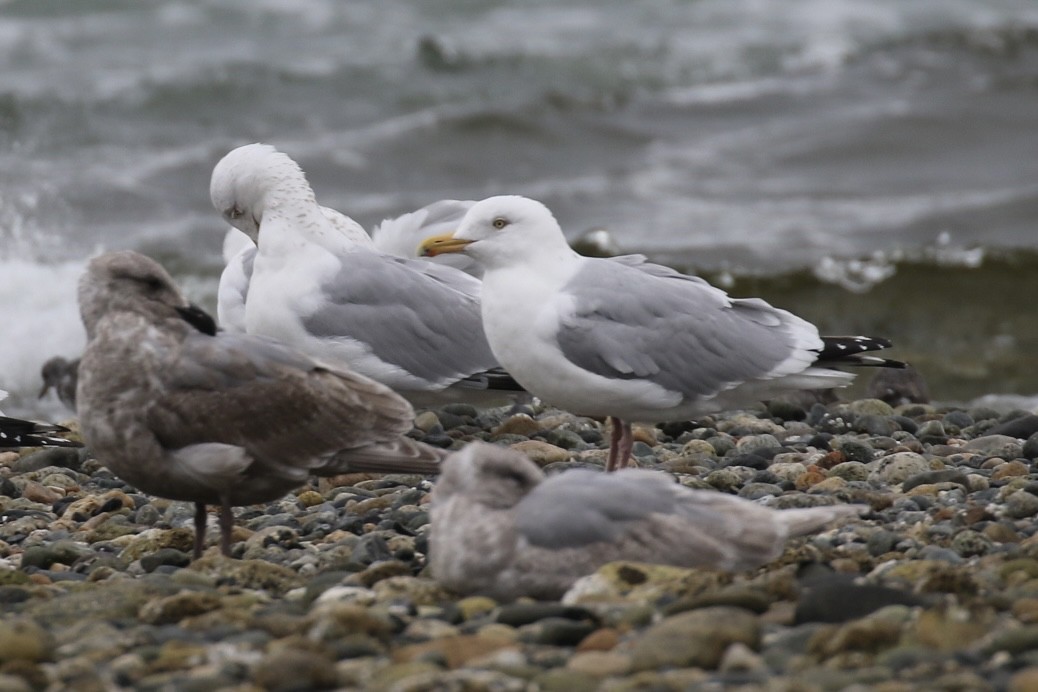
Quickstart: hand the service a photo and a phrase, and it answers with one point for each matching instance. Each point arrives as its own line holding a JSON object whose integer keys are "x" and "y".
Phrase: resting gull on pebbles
{"x": 413, "y": 325}
{"x": 628, "y": 339}
{"x": 182, "y": 412}
{"x": 500, "y": 528}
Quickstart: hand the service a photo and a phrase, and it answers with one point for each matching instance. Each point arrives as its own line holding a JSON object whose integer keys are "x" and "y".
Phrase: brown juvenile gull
{"x": 500, "y": 528}
{"x": 182, "y": 412}
{"x": 631, "y": 340}
{"x": 410, "y": 324}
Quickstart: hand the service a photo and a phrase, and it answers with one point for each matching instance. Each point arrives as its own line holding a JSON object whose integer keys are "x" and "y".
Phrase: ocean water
{"x": 871, "y": 165}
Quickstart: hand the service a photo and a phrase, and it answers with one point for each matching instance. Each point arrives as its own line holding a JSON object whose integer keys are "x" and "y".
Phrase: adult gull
{"x": 628, "y": 339}
{"x": 403, "y": 235}
{"x": 400, "y": 236}
{"x": 181, "y": 411}
{"x": 501, "y": 529}
{"x": 413, "y": 325}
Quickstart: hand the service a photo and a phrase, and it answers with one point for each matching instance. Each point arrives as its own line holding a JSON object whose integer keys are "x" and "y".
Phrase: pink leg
{"x": 200, "y": 521}
{"x": 226, "y": 525}
{"x": 620, "y": 443}
{"x": 623, "y": 449}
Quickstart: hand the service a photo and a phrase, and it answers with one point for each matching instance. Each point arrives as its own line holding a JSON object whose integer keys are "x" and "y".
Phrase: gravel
{"x": 937, "y": 587}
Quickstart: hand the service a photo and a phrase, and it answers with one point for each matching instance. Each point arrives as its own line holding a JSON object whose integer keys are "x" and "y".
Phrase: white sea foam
{"x": 41, "y": 320}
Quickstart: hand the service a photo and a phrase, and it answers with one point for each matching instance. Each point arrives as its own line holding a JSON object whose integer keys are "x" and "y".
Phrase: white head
{"x": 245, "y": 179}
{"x": 503, "y": 231}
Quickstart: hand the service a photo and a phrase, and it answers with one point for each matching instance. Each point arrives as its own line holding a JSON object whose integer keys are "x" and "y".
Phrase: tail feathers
{"x": 15, "y": 432}
{"x": 800, "y": 522}
{"x": 495, "y": 379}
{"x": 847, "y": 350}
{"x": 402, "y": 455}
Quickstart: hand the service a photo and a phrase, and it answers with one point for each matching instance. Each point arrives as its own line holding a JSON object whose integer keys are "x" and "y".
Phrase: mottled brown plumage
{"x": 182, "y": 412}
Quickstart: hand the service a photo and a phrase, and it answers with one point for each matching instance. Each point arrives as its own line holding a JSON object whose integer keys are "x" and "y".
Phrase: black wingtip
{"x": 848, "y": 350}
{"x": 496, "y": 379}
{"x": 15, "y": 433}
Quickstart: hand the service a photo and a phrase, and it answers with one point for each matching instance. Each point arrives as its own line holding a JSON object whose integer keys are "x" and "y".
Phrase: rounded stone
{"x": 519, "y": 424}
{"x": 899, "y": 467}
{"x": 600, "y": 663}
{"x": 751, "y": 443}
{"x": 22, "y": 639}
{"x": 1021, "y": 505}
{"x": 850, "y": 471}
{"x": 293, "y": 669}
{"x": 969, "y": 543}
{"x": 696, "y": 638}
{"x": 1025, "y": 680}
{"x": 996, "y": 446}
{"x": 541, "y": 453}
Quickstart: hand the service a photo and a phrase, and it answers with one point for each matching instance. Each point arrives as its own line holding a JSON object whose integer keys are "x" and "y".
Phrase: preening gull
{"x": 180, "y": 411}
{"x": 628, "y": 339}
{"x": 239, "y": 252}
{"x": 413, "y": 325}
{"x": 400, "y": 236}
{"x": 501, "y": 529}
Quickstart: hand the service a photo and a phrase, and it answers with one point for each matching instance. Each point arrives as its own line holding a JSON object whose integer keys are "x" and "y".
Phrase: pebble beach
{"x": 935, "y": 588}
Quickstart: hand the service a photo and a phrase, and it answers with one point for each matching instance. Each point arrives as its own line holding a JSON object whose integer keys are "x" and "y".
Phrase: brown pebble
{"x": 1010, "y": 469}
{"x": 1025, "y": 680}
{"x": 37, "y": 492}
{"x": 1026, "y": 610}
{"x": 600, "y": 640}
{"x": 831, "y": 459}
{"x": 541, "y": 453}
{"x": 975, "y": 514}
{"x": 640, "y": 432}
{"x": 519, "y": 424}
{"x": 1000, "y": 533}
{"x": 812, "y": 476}
{"x": 310, "y": 498}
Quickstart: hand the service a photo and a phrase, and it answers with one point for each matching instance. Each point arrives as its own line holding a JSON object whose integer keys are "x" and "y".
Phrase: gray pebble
{"x": 1021, "y": 505}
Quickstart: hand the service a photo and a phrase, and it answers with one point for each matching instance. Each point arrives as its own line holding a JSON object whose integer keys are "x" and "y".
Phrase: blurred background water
{"x": 871, "y": 165}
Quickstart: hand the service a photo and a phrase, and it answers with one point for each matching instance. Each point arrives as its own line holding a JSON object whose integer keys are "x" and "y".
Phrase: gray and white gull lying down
{"x": 413, "y": 325}
{"x": 183, "y": 412}
{"x": 628, "y": 339}
{"x": 500, "y": 528}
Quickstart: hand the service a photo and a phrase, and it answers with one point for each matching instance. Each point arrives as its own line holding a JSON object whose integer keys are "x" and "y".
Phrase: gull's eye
{"x": 499, "y": 223}
{"x": 153, "y": 283}
{"x": 235, "y": 213}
